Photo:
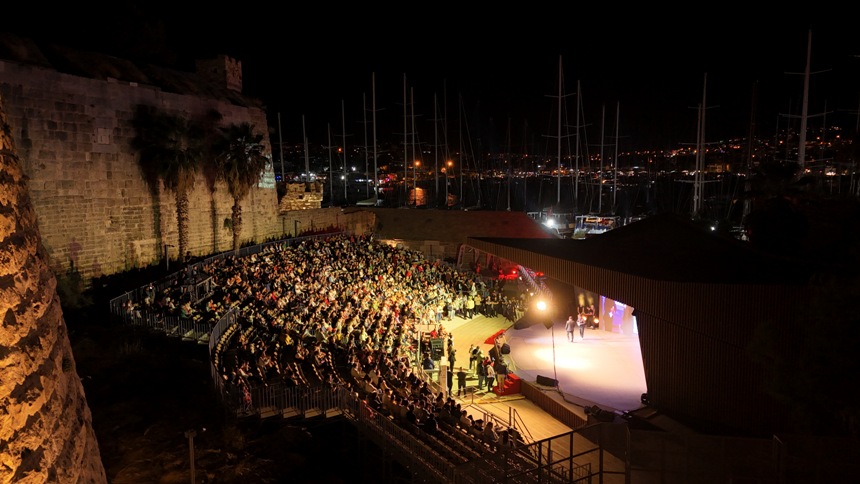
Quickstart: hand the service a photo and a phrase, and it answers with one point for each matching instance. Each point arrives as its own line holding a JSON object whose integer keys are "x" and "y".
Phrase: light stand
{"x": 549, "y": 323}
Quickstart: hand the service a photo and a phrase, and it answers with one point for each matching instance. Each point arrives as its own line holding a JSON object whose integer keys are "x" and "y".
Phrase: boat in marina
{"x": 577, "y": 194}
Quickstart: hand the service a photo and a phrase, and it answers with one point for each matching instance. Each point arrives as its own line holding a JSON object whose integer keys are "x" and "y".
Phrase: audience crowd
{"x": 341, "y": 310}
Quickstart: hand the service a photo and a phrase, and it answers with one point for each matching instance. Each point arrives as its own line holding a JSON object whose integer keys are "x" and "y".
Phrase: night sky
{"x": 494, "y": 72}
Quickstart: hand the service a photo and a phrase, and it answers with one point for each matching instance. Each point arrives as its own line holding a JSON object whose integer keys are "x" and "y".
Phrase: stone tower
{"x": 46, "y": 432}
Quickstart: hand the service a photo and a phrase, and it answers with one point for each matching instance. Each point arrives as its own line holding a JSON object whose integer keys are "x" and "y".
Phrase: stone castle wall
{"x": 94, "y": 208}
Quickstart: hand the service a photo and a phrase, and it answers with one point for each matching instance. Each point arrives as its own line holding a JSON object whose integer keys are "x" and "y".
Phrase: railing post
{"x": 190, "y": 434}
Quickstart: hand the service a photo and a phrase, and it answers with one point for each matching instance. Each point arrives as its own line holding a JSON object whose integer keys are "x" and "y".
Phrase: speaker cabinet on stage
{"x": 547, "y": 381}
{"x": 436, "y": 348}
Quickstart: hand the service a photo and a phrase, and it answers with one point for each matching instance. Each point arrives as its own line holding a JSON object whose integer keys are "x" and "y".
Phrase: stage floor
{"x": 604, "y": 368}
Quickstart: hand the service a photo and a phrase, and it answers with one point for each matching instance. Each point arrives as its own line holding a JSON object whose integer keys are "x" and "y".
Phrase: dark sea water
{"x": 722, "y": 197}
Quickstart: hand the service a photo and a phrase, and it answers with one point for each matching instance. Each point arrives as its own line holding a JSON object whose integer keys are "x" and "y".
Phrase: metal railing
{"x": 186, "y": 328}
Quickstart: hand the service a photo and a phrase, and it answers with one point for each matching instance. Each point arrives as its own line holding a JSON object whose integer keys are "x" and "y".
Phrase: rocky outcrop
{"x": 46, "y": 432}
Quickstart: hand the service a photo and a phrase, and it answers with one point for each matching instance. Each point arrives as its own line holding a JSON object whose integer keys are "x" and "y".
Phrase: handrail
{"x": 513, "y": 420}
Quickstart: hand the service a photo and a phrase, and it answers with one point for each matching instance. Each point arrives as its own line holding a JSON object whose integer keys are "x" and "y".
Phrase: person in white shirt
{"x": 581, "y": 321}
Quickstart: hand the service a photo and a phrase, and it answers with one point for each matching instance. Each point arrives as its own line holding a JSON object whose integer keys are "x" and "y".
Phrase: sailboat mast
{"x": 330, "y": 181}
{"x": 600, "y": 166}
{"x": 700, "y": 154}
{"x": 525, "y": 165}
{"x": 436, "y": 148}
{"x": 460, "y": 120}
{"x": 405, "y": 143}
{"x": 414, "y": 157}
{"x": 307, "y": 158}
{"x": 558, "y": 139}
{"x": 804, "y": 113}
{"x": 343, "y": 130}
{"x": 366, "y": 164}
{"x": 615, "y": 176}
{"x": 747, "y": 169}
{"x": 694, "y": 208}
{"x": 576, "y": 158}
{"x": 373, "y": 110}
{"x": 281, "y": 146}
{"x": 509, "y": 161}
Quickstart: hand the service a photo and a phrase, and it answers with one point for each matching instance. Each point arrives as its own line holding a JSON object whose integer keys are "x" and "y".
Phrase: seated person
{"x": 428, "y": 364}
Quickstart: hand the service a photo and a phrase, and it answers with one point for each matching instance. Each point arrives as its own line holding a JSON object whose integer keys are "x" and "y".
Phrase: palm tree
{"x": 241, "y": 159}
{"x": 171, "y": 150}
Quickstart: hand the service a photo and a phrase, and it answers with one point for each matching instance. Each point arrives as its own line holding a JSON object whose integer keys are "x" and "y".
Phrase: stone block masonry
{"x": 93, "y": 206}
{"x": 95, "y": 211}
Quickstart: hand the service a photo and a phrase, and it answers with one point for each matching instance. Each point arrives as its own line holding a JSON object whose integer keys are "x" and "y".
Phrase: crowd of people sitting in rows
{"x": 341, "y": 310}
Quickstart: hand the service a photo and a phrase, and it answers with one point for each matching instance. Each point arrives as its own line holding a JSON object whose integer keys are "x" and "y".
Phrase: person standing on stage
{"x": 588, "y": 312}
{"x": 461, "y": 382}
{"x": 568, "y": 327}
{"x": 580, "y": 323}
{"x": 481, "y": 368}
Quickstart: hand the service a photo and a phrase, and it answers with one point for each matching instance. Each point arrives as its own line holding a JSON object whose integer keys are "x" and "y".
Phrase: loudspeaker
{"x": 547, "y": 381}
{"x": 605, "y": 416}
{"x": 522, "y": 323}
{"x": 600, "y": 414}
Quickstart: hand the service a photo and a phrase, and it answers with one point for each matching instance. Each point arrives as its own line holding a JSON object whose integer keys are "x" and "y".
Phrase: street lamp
{"x": 450, "y": 164}
{"x": 415, "y": 183}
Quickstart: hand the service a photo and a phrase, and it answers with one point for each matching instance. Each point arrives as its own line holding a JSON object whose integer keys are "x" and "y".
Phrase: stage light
{"x": 541, "y": 305}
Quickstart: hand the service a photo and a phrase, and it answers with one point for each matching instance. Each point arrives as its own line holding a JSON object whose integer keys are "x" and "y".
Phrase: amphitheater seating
{"x": 453, "y": 443}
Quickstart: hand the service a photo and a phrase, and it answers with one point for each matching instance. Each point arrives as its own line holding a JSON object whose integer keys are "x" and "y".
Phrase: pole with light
{"x": 546, "y": 315}
{"x": 415, "y": 183}
{"x": 447, "y": 171}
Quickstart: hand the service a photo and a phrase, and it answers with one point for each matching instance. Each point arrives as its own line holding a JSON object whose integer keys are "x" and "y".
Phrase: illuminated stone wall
{"x": 302, "y": 196}
{"x": 46, "y": 432}
{"x": 94, "y": 208}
